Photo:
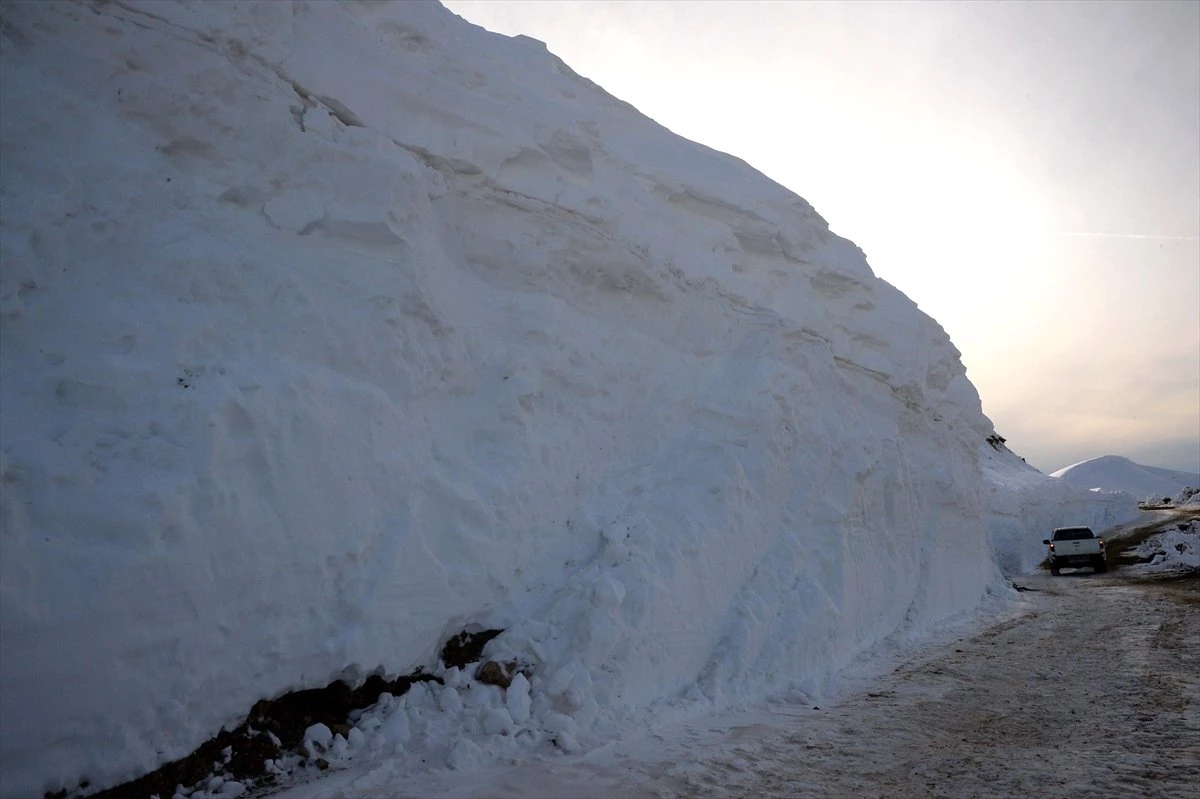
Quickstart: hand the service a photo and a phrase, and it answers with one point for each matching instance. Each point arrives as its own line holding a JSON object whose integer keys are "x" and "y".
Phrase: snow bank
{"x": 329, "y": 330}
{"x": 1173, "y": 551}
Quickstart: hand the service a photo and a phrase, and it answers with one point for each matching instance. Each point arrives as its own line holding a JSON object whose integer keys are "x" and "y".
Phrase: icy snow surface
{"x": 331, "y": 329}
{"x": 1114, "y": 473}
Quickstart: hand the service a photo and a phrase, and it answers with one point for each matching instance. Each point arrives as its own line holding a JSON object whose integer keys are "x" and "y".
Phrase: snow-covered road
{"x": 1090, "y": 689}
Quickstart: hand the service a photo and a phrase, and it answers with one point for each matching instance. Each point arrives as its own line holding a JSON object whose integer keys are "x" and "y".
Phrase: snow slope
{"x": 1114, "y": 473}
{"x": 328, "y": 330}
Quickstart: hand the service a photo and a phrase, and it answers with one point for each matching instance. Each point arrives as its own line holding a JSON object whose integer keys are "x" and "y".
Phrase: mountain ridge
{"x": 1118, "y": 473}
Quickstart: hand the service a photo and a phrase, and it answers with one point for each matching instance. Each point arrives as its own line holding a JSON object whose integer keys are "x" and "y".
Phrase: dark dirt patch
{"x": 466, "y": 647}
{"x": 275, "y": 727}
{"x": 502, "y": 674}
{"x": 272, "y": 728}
{"x": 1182, "y": 586}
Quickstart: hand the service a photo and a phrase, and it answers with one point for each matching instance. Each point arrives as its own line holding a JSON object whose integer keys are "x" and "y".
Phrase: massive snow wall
{"x": 330, "y": 329}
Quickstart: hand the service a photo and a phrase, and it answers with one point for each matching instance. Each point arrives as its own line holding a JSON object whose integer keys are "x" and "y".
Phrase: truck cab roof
{"x": 1072, "y": 534}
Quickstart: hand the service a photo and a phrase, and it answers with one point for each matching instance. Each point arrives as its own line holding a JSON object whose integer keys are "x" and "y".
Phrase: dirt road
{"x": 1090, "y": 689}
{"x": 1094, "y": 691}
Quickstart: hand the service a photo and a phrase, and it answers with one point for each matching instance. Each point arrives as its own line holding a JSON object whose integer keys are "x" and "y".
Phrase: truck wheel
{"x": 1101, "y": 567}
{"x": 1054, "y": 570}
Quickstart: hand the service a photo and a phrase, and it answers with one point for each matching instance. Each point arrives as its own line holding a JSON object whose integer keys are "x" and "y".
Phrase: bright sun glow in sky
{"x": 1027, "y": 173}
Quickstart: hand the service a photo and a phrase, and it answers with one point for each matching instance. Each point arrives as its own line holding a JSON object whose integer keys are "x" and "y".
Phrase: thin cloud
{"x": 1092, "y": 235}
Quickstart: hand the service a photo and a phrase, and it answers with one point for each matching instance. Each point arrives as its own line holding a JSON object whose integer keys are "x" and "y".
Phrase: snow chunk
{"x": 517, "y": 699}
{"x": 465, "y": 755}
{"x": 497, "y": 721}
{"x": 395, "y": 729}
{"x": 232, "y": 789}
{"x": 320, "y": 735}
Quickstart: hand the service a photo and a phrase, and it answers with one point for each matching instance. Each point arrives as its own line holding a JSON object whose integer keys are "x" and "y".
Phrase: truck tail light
{"x": 1052, "y": 547}
{"x": 1102, "y": 543}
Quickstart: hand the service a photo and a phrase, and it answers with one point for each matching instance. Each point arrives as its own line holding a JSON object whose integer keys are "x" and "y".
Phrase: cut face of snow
{"x": 331, "y": 330}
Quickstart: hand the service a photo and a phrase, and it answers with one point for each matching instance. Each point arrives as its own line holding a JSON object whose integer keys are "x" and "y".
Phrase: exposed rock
{"x": 497, "y": 673}
{"x": 466, "y": 647}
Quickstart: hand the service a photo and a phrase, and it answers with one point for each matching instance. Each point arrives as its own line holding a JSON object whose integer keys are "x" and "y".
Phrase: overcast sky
{"x": 1027, "y": 173}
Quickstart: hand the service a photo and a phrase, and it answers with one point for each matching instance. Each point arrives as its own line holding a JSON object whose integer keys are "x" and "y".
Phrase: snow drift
{"x": 329, "y": 330}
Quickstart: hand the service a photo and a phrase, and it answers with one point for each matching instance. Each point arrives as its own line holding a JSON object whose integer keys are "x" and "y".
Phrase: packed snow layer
{"x": 1114, "y": 473}
{"x": 329, "y": 330}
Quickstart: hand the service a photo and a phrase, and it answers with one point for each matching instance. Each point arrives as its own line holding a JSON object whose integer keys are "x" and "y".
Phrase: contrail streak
{"x": 1150, "y": 236}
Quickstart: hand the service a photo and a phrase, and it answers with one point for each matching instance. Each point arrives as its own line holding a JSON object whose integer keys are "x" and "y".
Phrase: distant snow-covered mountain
{"x": 1114, "y": 473}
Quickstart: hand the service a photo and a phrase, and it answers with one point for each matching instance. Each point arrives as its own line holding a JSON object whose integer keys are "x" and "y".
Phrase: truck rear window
{"x": 1073, "y": 534}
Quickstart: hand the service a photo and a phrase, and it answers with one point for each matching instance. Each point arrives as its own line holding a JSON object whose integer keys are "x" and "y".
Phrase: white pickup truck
{"x": 1075, "y": 546}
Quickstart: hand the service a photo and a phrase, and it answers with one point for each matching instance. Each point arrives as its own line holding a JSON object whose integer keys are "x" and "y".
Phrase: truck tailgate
{"x": 1077, "y": 549}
